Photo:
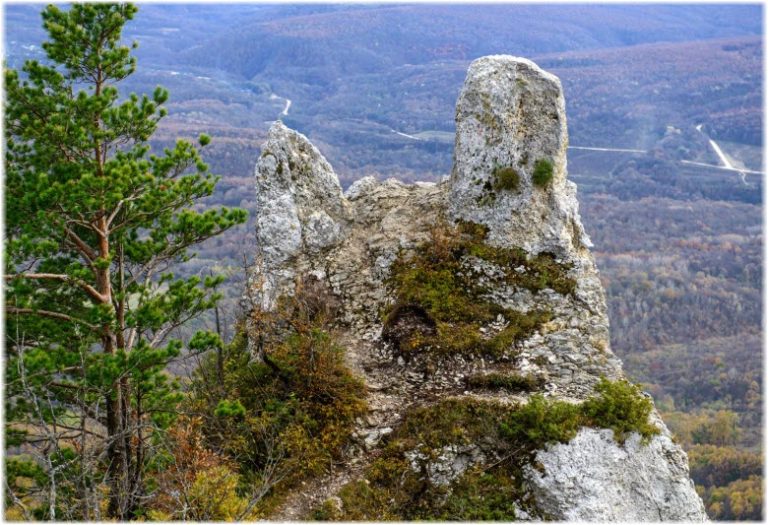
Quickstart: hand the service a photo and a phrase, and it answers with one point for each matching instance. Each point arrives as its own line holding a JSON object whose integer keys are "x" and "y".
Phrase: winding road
{"x": 288, "y": 103}
{"x": 726, "y": 163}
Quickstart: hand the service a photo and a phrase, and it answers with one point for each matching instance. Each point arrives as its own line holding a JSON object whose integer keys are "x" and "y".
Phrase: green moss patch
{"x": 508, "y": 437}
{"x": 441, "y": 302}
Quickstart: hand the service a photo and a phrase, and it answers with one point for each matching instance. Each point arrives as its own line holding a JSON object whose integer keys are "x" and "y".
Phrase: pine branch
{"x": 90, "y": 290}
{"x": 53, "y": 315}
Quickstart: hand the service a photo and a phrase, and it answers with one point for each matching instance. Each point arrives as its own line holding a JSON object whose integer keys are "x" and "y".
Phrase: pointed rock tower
{"x": 473, "y": 312}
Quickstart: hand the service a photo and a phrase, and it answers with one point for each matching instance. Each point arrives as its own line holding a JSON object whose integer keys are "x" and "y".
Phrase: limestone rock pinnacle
{"x": 510, "y": 176}
{"x": 511, "y": 116}
{"x": 301, "y": 207}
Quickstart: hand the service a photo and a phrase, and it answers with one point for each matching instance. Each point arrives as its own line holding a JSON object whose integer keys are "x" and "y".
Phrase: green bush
{"x": 227, "y": 408}
{"x": 543, "y": 172}
{"x": 541, "y": 421}
{"x": 620, "y": 406}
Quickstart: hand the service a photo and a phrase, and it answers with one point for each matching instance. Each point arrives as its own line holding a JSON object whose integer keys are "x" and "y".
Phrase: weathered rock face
{"x": 300, "y": 203}
{"x": 593, "y": 479}
{"x": 510, "y": 116}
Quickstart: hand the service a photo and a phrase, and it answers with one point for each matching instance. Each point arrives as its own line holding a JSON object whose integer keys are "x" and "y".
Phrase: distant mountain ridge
{"x": 366, "y": 39}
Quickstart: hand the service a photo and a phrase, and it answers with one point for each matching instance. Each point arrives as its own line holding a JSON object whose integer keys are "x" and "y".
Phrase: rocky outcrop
{"x": 592, "y": 478}
{"x": 511, "y": 115}
{"x": 509, "y": 181}
{"x": 301, "y": 208}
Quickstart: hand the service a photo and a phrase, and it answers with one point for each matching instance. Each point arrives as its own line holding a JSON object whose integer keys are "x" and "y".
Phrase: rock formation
{"x": 542, "y": 318}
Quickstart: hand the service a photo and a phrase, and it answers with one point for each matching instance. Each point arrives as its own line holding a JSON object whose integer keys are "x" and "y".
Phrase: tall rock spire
{"x": 301, "y": 210}
{"x": 509, "y": 167}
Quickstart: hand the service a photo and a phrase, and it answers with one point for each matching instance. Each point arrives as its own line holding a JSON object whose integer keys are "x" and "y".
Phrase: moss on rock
{"x": 510, "y": 381}
{"x": 398, "y": 486}
{"x": 506, "y": 179}
{"x": 438, "y": 280}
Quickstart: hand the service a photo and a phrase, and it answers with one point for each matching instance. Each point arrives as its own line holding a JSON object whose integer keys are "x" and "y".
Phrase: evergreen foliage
{"x": 543, "y": 171}
{"x": 94, "y": 223}
{"x": 619, "y": 405}
{"x": 622, "y": 407}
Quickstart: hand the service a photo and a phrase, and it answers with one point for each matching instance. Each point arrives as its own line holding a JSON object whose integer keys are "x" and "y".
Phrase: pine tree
{"x": 94, "y": 224}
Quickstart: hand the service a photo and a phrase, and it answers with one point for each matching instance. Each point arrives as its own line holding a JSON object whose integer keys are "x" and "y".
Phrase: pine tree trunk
{"x": 118, "y": 402}
{"x": 114, "y": 455}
